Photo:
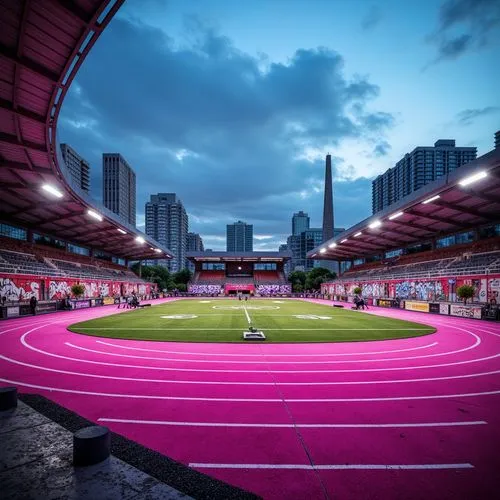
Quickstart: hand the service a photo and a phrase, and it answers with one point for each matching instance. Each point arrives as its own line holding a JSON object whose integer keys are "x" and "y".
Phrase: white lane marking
{"x": 200, "y": 370}
{"x": 250, "y": 383}
{"x": 247, "y": 400}
{"x": 478, "y": 341}
{"x": 333, "y": 467}
{"x": 247, "y": 315}
{"x": 267, "y": 355}
{"x": 277, "y": 329}
{"x": 289, "y": 426}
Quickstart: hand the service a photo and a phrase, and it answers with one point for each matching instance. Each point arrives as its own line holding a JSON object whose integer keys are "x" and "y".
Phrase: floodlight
{"x": 332, "y": 245}
{"x": 375, "y": 224}
{"x": 140, "y": 239}
{"x": 396, "y": 215}
{"x": 323, "y": 250}
{"x": 431, "y": 199}
{"x": 122, "y": 231}
{"x": 473, "y": 178}
{"x": 358, "y": 234}
{"x": 344, "y": 240}
{"x": 52, "y": 190}
{"x": 95, "y": 215}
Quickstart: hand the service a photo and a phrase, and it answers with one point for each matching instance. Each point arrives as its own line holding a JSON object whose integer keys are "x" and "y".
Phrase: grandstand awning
{"x": 238, "y": 256}
{"x": 465, "y": 199}
{"x": 42, "y": 45}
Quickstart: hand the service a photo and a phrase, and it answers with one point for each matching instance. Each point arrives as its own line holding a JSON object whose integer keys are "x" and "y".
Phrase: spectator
{"x": 33, "y": 303}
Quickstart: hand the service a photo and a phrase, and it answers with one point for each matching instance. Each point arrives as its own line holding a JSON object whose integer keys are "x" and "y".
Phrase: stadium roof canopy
{"x": 42, "y": 45}
{"x": 465, "y": 199}
{"x": 238, "y": 256}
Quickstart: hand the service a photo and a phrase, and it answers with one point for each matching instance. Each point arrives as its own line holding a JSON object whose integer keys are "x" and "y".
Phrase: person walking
{"x": 33, "y": 303}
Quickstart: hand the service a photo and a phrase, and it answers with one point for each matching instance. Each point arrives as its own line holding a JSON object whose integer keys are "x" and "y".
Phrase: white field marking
{"x": 247, "y": 315}
{"x": 332, "y": 467}
{"x": 264, "y": 354}
{"x": 205, "y": 301}
{"x": 311, "y": 316}
{"x": 478, "y": 341}
{"x": 205, "y": 382}
{"x": 200, "y": 370}
{"x": 279, "y": 301}
{"x": 289, "y": 426}
{"x": 180, "y": 316}
{"x": 236, "y": 308}
{"x": 248, "y": 400}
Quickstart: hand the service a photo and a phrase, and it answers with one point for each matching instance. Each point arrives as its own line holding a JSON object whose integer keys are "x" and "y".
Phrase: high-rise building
{"x": 416, "y": 169}
{"x": 167, "y": 223}
{"x": 118, "y": 186}
{"x": 239, "y": 237}
{"x": 328, "y": 201}
{"x": 300, "y": 222}
{"x": 497, "y": 139}
{"x": 78, "y": 167}
{"x": 194, "y": 244}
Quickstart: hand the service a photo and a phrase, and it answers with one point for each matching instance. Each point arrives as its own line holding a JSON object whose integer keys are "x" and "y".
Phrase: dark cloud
{"x": 382, "y": 149}
{"x": 465, "y": 25}
{"x": 371, "y": 18}
{"x": 468, "y": 116}
{"x": 206, "y": 122}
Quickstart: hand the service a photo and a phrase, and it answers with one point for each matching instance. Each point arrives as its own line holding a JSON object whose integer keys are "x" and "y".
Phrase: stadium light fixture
{"x": 52, "y": 190}
{"x": 358, "y": 234}
{"x": 473, "y": 178}
{"x": 323, "y": 250}
{"x": 332, "y": 245}
{"x": 344, "y": 240}
{"x": 140, "y": 240}
{"x": 396, "y": 215}
{"x": 431, "y": 199}
{"x": 375, "y": 224}
{"x": 122, "y": 231}
{"x": 95, "y": 215}
{"x": 157, "y": 250}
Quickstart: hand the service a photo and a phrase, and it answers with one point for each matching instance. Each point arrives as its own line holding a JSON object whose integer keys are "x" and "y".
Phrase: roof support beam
{"x": 435, "y": 218}
{"x": 19, "y": 110}
{"x": 62, "y": 217}
{"x": 15, "y": 165}
{"x": 13, "y": 141}
{"x": 482, "y": 195}
{"x": 10, "y": 54}
{"x": 469, "y": 211}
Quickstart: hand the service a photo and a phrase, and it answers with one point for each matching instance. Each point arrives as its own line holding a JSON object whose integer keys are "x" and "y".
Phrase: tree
{"x": 465, "y": 292}
{"x": 157, "y": 274}
{"x": 182, "y": 276}
{"x": 77, "y": 290}
{"x": 298, "y": 280}
{"x": 316, "y": 276}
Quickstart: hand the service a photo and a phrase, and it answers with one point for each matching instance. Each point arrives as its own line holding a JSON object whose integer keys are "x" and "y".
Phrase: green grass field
{"x": 206, "y": 320}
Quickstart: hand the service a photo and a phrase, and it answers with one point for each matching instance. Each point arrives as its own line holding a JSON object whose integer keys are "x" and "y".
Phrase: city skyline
{"x": 253, "y": 148}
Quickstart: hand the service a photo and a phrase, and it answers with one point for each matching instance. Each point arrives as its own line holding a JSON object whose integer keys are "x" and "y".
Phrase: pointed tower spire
{"x": 328, "y": 201}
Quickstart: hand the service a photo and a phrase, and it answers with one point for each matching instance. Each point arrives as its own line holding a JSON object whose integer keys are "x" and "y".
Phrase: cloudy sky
{"x": 234, "y": 104}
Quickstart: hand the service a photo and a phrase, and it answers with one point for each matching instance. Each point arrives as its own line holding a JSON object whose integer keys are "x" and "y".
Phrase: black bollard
{"x": 8, "y": 398}
{"x": 91, "y": 445}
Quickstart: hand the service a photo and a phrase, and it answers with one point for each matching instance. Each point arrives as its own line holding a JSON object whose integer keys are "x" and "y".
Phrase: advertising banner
{"x": 434, "y": 308}
{"x": 236, "y": 287}
{"x": 444, "y": 309}
{"x": 465, "y": 311}
{"x": 80, "y": 304}
{"x": 384, "y": 303}
{"x": 417, "y": 306}
{"x": 108, "y": 301}
{"x": 12, "y": 311}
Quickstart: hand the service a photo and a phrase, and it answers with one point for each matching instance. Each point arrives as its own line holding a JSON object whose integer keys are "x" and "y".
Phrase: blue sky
{"x": 234, "y": 104}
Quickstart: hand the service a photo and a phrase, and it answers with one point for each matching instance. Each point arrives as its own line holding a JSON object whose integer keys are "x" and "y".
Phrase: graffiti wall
{"x": 15, "y": 288}
{"x": 486, "y": 288}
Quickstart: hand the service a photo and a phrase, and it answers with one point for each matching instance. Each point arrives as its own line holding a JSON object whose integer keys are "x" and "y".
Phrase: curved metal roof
{"x": 42, "y": 45}
{"x": 442, "y": 207}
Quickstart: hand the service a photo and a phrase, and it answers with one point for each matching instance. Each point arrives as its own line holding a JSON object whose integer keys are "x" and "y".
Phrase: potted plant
{"x": 465, "y": 292}
{"x": 358, "y": 290}
{"x": 77, "y": 290}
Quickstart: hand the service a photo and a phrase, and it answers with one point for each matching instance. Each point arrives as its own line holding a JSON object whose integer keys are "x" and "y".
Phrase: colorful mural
{"x": 15, "y": 288}
{"x": 439, "y": 289}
